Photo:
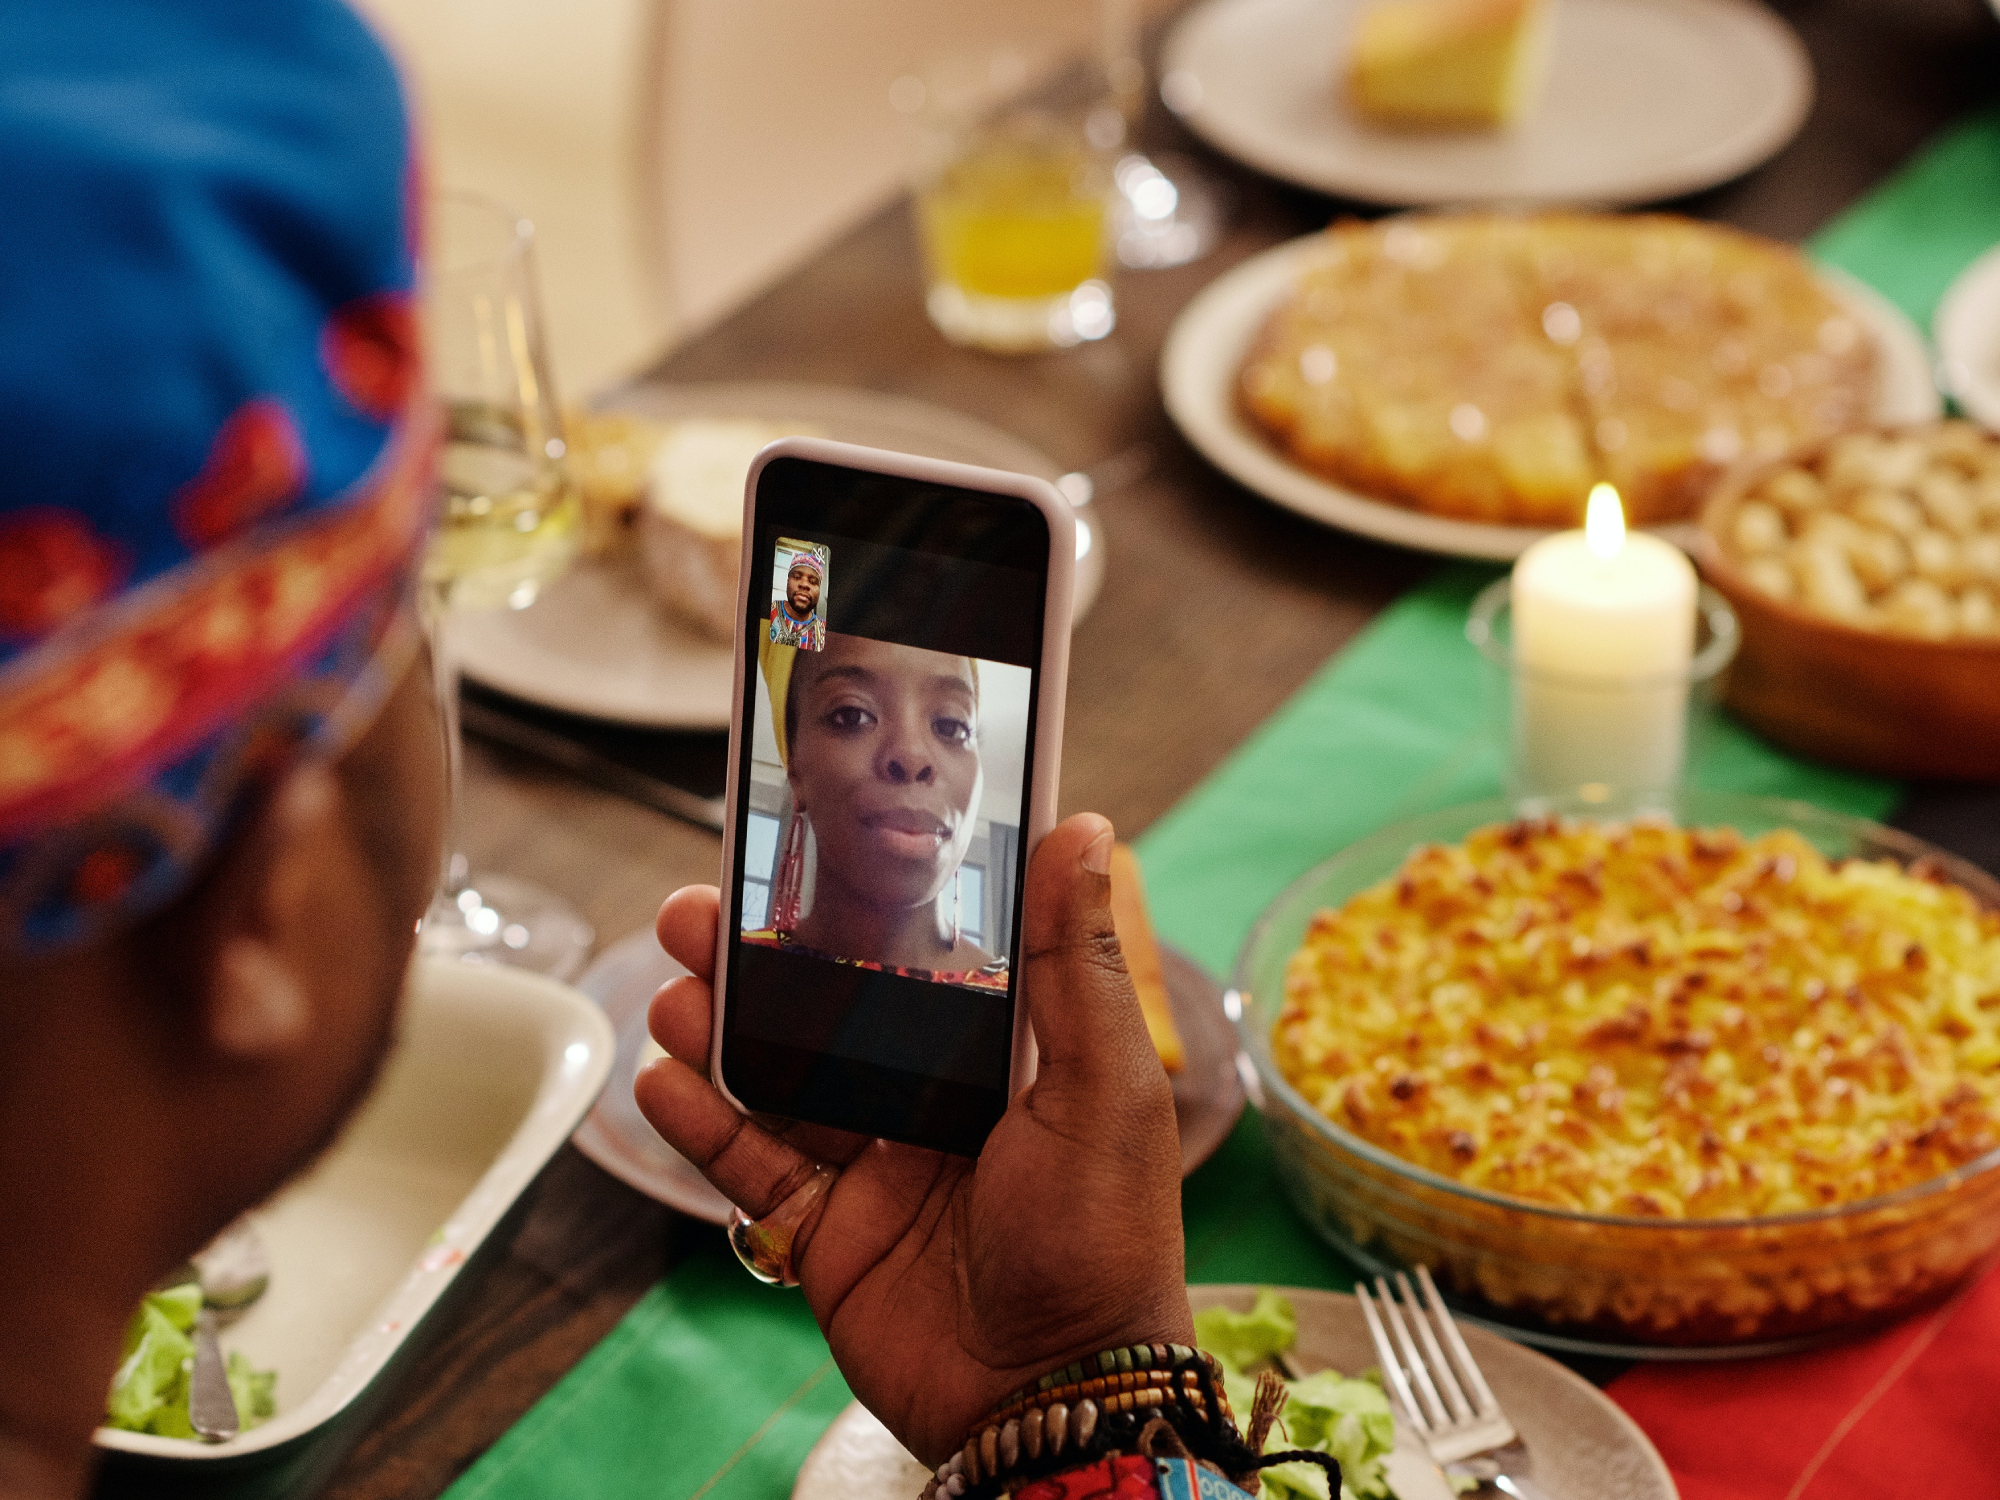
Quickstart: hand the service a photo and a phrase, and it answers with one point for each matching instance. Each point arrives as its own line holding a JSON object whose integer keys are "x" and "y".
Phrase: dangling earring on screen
{"x": 790, "y": 884}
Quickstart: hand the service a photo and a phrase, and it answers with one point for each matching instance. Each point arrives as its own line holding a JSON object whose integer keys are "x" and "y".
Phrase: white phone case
{"x": 1046, "y": 752}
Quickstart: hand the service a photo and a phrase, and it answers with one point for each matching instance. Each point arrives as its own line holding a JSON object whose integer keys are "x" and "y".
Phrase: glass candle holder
{"x": 1567, "y": 735}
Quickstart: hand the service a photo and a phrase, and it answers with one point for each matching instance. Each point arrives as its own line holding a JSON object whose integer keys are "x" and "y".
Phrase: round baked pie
{"x": 1495, "y": 367}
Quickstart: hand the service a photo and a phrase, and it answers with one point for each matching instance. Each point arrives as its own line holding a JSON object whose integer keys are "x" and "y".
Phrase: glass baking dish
{"x": 1599, "y": 1283}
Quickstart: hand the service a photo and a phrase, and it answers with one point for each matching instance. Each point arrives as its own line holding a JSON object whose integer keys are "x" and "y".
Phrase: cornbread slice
{"x": 1142, "y": 957}
{"x": 1430, "y": 63}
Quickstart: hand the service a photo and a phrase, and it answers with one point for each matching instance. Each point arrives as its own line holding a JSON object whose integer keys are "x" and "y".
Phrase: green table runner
{"x": 1394, "y": 726}
{"x": 713, "y": 1388}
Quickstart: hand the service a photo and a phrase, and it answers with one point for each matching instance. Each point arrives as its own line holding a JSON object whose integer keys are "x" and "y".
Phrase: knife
{"x": 600, "y": 771}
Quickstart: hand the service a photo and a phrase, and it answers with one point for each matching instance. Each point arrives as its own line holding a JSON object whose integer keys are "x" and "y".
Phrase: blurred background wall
{"x": 678, "y": 155}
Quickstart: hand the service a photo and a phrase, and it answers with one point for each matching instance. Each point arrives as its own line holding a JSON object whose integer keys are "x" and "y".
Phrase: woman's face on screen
{"x": 885, "y": 761}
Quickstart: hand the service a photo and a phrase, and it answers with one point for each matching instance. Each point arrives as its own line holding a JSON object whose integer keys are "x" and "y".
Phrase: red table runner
{"x": 1911, "y": 1411}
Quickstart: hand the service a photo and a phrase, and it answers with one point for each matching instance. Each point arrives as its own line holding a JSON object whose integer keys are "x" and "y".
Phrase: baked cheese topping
{"x": 1647, "y": 1020}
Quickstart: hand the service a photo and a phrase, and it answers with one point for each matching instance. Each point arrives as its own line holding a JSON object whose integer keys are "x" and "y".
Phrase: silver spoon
{"x": 233, "y": 1271}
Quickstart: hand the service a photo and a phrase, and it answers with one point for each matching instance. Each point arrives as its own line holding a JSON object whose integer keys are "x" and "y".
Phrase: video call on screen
{"x": 894, "y": 633}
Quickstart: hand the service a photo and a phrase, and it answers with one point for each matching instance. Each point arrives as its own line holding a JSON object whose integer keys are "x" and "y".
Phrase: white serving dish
{"x": 492, "y": 1070}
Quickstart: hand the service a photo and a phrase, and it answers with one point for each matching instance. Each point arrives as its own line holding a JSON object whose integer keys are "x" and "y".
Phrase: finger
{"x": 686, "y": 927}
{"x": 680, "y": 1019}
{"x": 1080, "y": 998}
{"x": 747, "y": 1164}
{"x": 821, "y": 1142}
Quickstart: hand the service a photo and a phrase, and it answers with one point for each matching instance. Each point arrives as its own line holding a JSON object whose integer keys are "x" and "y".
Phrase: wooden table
{"x": 1240, "y": 601}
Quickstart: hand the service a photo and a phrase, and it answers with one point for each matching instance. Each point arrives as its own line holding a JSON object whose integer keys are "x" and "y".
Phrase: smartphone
{"x": 902, "y": 650}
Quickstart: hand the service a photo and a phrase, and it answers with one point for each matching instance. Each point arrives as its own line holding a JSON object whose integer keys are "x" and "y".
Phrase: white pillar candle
{"x": 1603, "y": 631}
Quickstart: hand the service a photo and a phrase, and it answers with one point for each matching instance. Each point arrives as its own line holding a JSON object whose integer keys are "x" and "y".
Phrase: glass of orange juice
{"x": 1013, "y": 206}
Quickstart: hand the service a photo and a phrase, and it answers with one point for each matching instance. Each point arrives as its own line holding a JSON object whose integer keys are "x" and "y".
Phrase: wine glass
{"x": 508, "y": 524}
{"x": 1168, "y": 211}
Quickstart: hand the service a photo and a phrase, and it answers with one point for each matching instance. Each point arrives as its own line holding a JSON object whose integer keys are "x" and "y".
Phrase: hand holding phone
{"x": 903, "y": 640}
{"x": 942, "y": 1284}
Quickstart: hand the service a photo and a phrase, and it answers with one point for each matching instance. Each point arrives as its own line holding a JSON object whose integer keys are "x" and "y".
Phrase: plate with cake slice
{"x": 1458, "y": 382}
{"x": 1426, "y": 102}
{"x": 639, "y": 631}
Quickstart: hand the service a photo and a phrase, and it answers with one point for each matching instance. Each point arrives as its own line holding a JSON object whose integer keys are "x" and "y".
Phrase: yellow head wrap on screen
{"x": 775, "y": 662}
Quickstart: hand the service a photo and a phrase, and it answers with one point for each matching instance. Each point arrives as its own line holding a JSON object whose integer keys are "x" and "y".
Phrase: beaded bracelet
{"x": 1105, "y": 1403}
{"x": 1121, "y": 1361}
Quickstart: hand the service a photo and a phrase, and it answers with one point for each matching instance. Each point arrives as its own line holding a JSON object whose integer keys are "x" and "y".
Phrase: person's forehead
{"x": 860, "y": 659}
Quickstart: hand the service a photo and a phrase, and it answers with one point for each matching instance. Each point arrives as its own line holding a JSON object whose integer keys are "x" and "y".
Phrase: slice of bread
{"x": 691, "y": 525}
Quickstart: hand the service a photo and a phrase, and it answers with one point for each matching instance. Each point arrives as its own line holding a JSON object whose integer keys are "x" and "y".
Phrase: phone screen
{"x": 884, "y": 785}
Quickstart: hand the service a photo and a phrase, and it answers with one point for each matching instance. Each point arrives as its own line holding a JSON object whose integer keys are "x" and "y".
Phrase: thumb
{"x": 1080, "y": 998}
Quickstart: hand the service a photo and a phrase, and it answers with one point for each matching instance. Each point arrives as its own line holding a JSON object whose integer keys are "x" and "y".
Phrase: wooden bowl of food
{"x": 1865, "y": 570}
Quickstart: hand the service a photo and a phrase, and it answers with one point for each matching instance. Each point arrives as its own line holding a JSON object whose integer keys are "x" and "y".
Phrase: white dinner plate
{"x": 1643, "y": 100}
{"x": 596, "y": 644}
{"x": 1207, "y": 345}
{"x": 1578, "y": 1442}
{"x": 1967, "y": 329}
{"x": 1208, "y": 1093}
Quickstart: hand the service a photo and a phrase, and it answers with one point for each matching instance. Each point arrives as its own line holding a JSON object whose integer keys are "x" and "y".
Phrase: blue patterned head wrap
{"x": 213, "y": 444}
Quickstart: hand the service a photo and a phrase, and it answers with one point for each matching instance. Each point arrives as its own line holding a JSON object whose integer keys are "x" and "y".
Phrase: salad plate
{"x": 1644, "y": 100}
{"x": 1208, "y": 1091}
{"x": 1207, "y": 345}
{"x": 596, "y": 644}
{"x": 1579, "y": 1441}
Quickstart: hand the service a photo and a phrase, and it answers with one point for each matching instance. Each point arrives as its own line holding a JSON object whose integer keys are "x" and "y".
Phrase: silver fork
{"x": 1466, "y": 1434}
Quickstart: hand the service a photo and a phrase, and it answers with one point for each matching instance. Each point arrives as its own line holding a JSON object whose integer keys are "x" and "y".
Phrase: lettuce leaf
{"x": 150, "y": 1391}
{"x": 1348, "y": 1418}
{"x": 152, "y": 1375}
{"x": 255, "y": 1390}
{"x": 1241, "y": 1340}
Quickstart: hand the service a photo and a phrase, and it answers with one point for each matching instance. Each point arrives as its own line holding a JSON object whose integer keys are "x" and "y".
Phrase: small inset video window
{"x": 798, "y": 594}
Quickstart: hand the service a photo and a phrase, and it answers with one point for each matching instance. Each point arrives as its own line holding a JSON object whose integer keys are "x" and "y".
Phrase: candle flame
{"x": 1604, "y": 522}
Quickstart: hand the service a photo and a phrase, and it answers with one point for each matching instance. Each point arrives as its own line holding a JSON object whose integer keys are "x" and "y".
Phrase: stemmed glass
{"x": 1168, "y": 213}
{"x": 508, "y": 524}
